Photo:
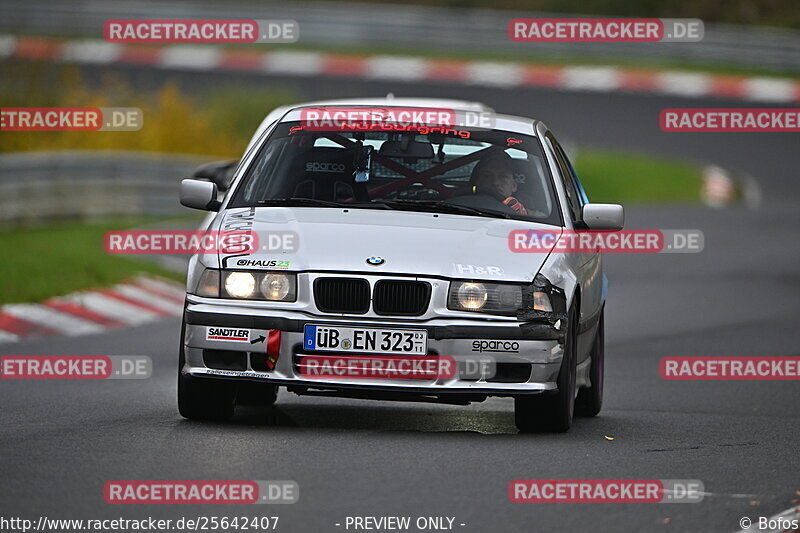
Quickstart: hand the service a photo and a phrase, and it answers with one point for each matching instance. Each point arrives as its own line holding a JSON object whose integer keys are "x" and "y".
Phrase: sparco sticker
{"x": 495, "y": 346}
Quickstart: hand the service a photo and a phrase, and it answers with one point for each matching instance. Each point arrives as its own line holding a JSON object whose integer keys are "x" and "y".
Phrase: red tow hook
{"x": 273, "y": 348}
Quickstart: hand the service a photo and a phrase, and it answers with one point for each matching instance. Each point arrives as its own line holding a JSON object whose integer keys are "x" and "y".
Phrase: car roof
{"x": 391, "y": 100}
{"x": 515, "y": 124}
{"x": 504, "y": 122}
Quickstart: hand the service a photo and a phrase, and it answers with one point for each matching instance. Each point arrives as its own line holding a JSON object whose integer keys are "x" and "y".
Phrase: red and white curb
{"x": 145, "y": 299}
{"x": 399, "y": 68}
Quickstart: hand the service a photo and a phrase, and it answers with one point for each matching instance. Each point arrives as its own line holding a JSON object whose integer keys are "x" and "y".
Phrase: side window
{"x": 577, "y": 182}
{"x": 568, "y": 175}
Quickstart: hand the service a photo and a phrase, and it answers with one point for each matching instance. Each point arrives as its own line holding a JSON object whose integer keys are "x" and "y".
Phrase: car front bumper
{"x": 529, "y": 362}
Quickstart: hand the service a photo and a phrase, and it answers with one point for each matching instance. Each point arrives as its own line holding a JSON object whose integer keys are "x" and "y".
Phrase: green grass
{"x": 620, "y": 177}
{"x": 58, "y": 259}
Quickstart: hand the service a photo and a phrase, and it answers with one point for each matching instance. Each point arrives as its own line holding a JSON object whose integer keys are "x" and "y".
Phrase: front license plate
{"x": 361, "y": 340}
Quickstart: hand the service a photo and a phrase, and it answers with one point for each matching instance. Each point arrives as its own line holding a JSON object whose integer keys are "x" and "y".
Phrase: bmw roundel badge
{"x": 375, "y": 261}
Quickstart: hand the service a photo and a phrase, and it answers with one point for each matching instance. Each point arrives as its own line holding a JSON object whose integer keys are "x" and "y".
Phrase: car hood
{"x": 341, "y": 240}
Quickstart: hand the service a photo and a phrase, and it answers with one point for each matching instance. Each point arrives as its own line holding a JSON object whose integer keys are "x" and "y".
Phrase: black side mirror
{"x": 219, "y": 172}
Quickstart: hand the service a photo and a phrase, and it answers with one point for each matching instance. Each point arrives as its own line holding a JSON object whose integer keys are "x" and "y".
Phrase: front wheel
{"x": 552, "y": 413}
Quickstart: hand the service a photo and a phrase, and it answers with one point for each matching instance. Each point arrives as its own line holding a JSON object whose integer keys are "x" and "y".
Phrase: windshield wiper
{"x": 312, "y": 202}
{"x": 453, "y": 208}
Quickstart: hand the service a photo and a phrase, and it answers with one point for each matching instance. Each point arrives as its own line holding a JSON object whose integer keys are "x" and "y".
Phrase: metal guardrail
{"x": 407, "y": 27}
{"x": 35, "y": 186}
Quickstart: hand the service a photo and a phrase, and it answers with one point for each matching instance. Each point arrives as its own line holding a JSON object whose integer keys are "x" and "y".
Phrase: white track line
{"x": 190, "y": 57}
{"x": 6, "y": 336}
{"x": 300, "y": 63}
{"x": 494, "y": 73}
{"x": 177, "y": 289}
{"x": 396, "y": 68}
{"x": 8, "y": 43}
{"x": 591, "y": 78}
{"x": 121, "y": 311}
{"x": 769, "y": 89}
{"x": 52, "y": 319}
{"x": 684, "y": 83}
{"x": 91, "y": 51}
{"x": 148, "y": 298}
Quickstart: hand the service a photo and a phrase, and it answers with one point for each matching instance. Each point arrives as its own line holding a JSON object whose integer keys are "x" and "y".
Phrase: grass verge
{"x": 59, "y": 259}
{"x": 624, "y": 177}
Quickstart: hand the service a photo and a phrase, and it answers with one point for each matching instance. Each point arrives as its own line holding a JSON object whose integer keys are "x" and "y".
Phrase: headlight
{"x": 273, "y": 286}
{"x": 240, "y": 284}
{"x": 472, "y": 296}
{"x": 277, "y": 287}
{"x": 495, "y": 298}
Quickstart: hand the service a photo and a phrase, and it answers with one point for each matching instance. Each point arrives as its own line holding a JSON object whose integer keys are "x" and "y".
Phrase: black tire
{"x": 552, "y": 412}
{"x": 590, "y": 399}
{"x": 204, "y": 399}
{"x": 258, "y": 394}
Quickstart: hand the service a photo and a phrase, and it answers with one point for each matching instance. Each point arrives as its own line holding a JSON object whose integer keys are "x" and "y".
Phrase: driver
{"x": 493, "y": 176}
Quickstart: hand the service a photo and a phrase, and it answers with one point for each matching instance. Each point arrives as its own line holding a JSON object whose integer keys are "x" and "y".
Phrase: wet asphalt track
{"x": 61, "y": 441}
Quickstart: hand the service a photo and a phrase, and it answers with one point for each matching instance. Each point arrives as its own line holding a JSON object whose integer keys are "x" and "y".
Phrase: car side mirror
{"x": 218, "y": 172}
{"x": 199, "y": 195}
{"x": 603, "y": 216}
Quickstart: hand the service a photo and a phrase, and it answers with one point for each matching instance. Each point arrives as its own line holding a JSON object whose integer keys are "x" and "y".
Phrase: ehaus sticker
{"x": 227, "y": 334}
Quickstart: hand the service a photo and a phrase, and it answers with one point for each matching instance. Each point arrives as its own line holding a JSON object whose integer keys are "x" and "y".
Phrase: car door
{"x": 589, "y": 264}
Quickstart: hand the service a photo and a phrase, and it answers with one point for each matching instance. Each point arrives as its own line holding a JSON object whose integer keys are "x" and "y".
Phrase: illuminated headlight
{"x": 240, "y": 284}
{"x": 472, "y": 296}
{"x": 494, "y": 298}
{"x": 273, "y": 286}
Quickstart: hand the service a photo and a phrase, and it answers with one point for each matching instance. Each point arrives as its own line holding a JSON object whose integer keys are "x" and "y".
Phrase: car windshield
{"x": 462, "y": 171}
